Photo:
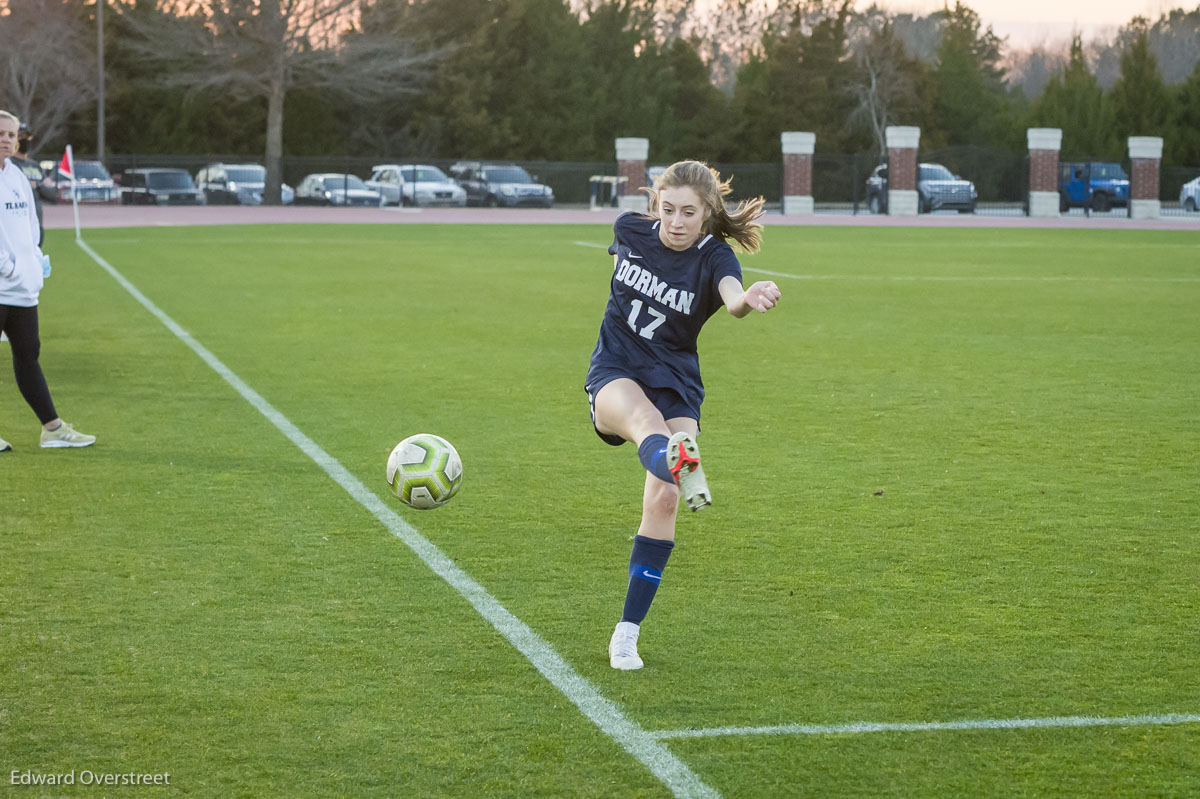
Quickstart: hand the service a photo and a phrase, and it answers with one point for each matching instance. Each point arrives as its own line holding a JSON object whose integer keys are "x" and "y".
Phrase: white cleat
{"x": 5, "y": 446}
{"x": 683, "y": 459}
{"x": 65, "y": 436}
{"x": 622, "y": 648}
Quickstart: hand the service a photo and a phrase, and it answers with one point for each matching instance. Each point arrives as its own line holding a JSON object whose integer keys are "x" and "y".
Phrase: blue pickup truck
{"x": 1092, "y": 184}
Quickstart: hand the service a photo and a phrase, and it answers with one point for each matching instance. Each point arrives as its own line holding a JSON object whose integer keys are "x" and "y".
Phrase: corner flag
{"x": 67, "y": 167}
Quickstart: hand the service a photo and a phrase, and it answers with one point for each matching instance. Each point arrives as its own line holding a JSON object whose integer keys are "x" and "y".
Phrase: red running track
{"x": 114, "y": 216}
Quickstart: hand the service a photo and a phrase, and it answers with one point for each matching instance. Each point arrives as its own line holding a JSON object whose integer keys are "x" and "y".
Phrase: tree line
{"x": 559, "y": 81}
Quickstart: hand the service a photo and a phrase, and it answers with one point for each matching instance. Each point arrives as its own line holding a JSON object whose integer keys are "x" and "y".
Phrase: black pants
{"x": 21, "y": 325}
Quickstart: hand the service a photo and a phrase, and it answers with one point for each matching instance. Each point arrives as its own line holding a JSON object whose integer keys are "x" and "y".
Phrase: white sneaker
{"x": 66, "y": 436}
{"x": 683, "y": 459}
{"x": 5, "y": 446}
{"x": 622, "y": 649}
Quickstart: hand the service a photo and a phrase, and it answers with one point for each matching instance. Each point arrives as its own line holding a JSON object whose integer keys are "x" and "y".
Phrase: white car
{"x": 416, "y": 184}
{"x": 1189, "y": 196}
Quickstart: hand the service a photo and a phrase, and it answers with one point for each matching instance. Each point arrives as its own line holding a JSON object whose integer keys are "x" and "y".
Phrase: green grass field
{"x": 955, "y": 476}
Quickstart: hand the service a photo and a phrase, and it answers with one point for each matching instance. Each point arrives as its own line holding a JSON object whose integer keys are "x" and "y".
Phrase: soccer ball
{"x": 424, "y": 471}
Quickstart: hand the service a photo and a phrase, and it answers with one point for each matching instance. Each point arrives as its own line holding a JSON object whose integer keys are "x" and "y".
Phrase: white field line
{"x": 956, "y": 278}
{"x": 934, "y": 726}
{"x": 643, "y": 746}
{"x": 984, "y": 724}
{"x": 980, "y": 278}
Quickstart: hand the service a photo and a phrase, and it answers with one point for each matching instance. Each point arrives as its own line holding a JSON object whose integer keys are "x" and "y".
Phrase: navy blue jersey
{"x": 659, "y": 300}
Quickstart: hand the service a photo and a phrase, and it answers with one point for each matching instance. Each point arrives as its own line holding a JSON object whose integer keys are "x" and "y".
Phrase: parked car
{"x": 1092, "y": 184}
{"x": 501, "y": 184}
{"x": 93, "y": 184}
{"x": 159, "y": 187}
{"x": 416, "y": 184}
{"x": 237, "y": 184}
{"x": 1189, "y": 195}
{"x": 938, "y": 189}
{"x": 333, "y": 188}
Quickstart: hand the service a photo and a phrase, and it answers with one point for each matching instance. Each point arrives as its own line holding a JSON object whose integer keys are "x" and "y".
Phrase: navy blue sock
{"x": 652, "y": 452}
{"x": 646, "y": 564}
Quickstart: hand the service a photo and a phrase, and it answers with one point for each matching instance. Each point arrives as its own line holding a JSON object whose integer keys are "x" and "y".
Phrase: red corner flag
{"x": 67, "y": 167}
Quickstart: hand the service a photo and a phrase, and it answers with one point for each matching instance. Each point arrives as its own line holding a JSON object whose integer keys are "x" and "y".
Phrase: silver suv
{"x": 505, "y": 185}
{"x": 937, "y": 189}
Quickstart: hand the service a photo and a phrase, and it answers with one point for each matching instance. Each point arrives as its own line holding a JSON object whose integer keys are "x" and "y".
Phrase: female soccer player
{"x": 21, "y": 275}
{"x": 672, "y": 270}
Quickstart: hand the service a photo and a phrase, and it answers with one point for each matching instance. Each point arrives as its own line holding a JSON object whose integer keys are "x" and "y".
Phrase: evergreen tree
{"x": 1074, "y": 102}
{"x": 750, "y": 103}
{"x": 1140, "y": 99}
{"x": 693, "y": 112}
{"x": 1183, "y": 148}
{"x": 625, "y": 66}
{"x": 803, "y": 82}
{"x": 516, "y": 89}
{"x": 971, "y": 105}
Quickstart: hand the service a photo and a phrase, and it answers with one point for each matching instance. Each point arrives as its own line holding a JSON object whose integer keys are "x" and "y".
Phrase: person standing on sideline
{"x": 30, "y": 168}
{"x": 672, "y": 270}
{"x": 21, "y": 278}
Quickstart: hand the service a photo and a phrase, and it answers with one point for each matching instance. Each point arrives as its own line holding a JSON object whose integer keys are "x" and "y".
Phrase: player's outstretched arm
{"x": 761, "y": 296}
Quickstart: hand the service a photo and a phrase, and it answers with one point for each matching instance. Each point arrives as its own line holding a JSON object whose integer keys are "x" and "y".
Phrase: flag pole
{"x": 74, "y": 194}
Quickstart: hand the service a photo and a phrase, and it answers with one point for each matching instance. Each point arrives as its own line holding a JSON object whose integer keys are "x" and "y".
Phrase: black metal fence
{"x": 1171, "y": 181}
{"x": 839, "y": 181}
{"x": 1001, "y": 177}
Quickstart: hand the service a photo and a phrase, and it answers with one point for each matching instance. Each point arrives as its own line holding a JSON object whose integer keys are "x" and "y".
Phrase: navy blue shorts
{"x": 668, "y": 401}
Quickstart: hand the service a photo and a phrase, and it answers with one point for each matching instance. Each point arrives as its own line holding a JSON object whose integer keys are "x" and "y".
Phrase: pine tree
{"x": 971, "y": 104}
{"x": 803, "y": 82}
{"x": 1074, "y": 102}
{"x": 1140, "y": 99}
{"x": 1183, "y": 148}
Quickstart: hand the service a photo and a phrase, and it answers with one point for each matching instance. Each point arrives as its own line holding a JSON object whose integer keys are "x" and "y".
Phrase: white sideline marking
{"x": 644, "y": 746}
{"x": 981, "y": 278}
{"x": 931, "y": 726}
{"x": 958, "y": 278}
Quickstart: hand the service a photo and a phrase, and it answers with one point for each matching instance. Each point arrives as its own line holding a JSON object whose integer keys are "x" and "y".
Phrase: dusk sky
{"x": 1031, "y": 21}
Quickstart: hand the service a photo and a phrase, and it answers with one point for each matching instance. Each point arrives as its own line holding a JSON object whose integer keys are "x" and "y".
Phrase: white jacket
{"x": 20, "y": 257}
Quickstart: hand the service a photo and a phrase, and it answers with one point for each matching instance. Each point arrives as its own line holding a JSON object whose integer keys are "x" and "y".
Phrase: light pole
{"x": 100, "y": 92}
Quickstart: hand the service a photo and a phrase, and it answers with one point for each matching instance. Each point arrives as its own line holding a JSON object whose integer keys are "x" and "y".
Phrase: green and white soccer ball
{"x": 424, "y": 471}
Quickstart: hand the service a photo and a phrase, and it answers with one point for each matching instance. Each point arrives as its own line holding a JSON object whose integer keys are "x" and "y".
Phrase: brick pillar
{"x": 902, "y": 144}
{"x": 797, "y": 171}
{"x": 1145, "y": 156}
{"x": 1044, "y": 145}
{"x": 631, "y": 165}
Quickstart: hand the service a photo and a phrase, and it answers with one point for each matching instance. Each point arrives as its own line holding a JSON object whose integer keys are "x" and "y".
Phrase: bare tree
{"x": 1174, "y": 40}
{"x": 267, "y": 48}
{"x": 48, "y": 67}
{"x": 883, "y": 87}
{"x": 1030, "y": 70}
{"x": 733, "y": 31}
